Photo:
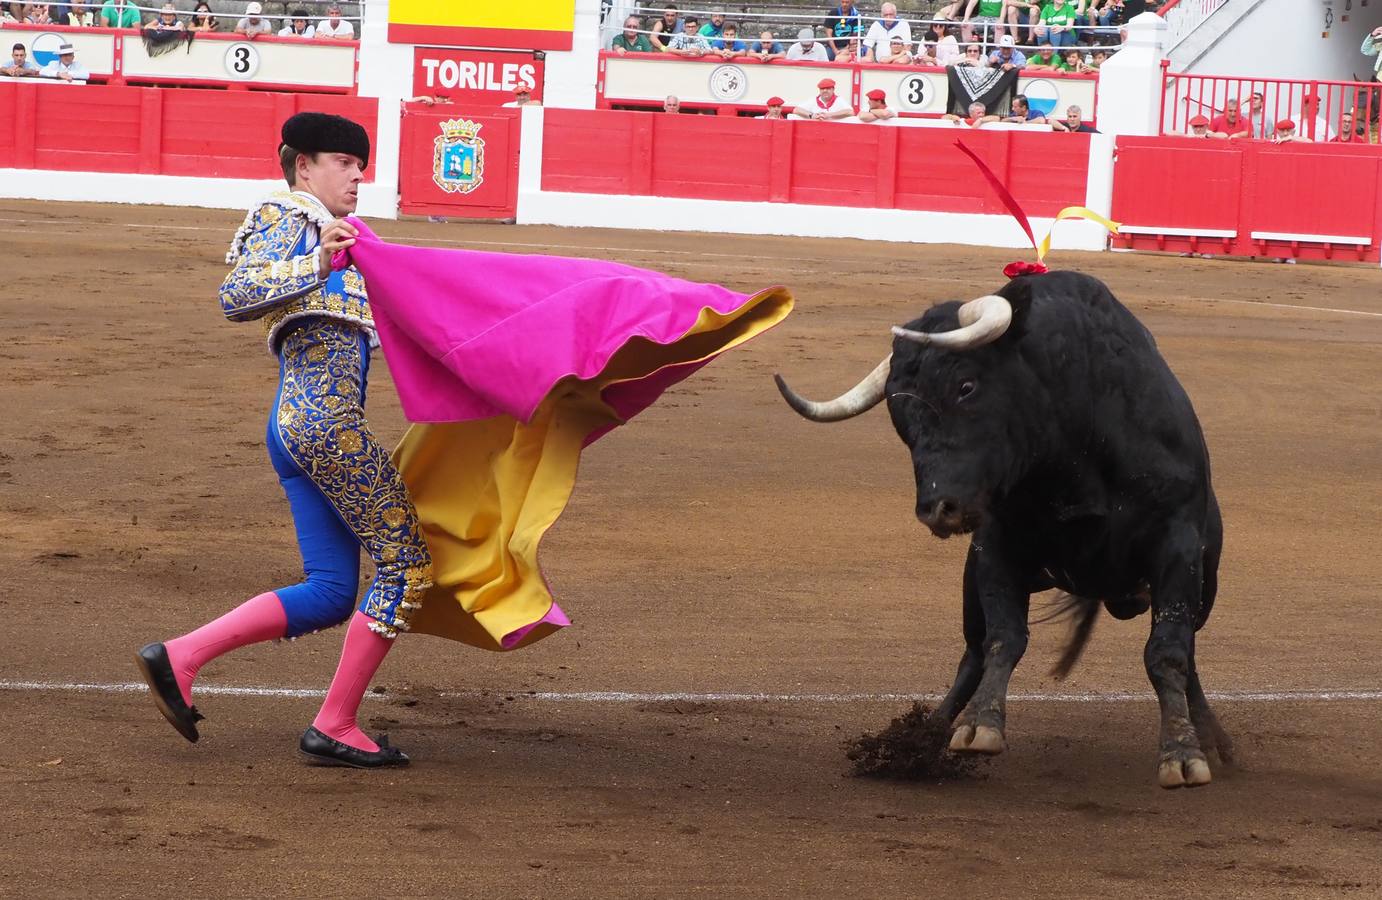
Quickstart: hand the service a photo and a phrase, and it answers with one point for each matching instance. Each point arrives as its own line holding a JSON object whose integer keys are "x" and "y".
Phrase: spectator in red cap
{"x": 878, "y": 107}
{"x": 1286, "y": 133}
{"x": 1230, "y": 123}
{"x": 1199, "y": 127}
{"x": 522, "y": 96}
{"x": 826, "y": 106}
{"x": 775, "y": 110}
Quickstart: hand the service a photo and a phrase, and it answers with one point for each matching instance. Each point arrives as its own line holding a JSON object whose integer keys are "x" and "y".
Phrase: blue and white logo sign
{"x": 44, "y": 49}
{"x": 1042, "y": 96}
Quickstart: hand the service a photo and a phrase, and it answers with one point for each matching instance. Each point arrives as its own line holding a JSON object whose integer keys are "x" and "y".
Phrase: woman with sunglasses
{"x": 202, "y": 19}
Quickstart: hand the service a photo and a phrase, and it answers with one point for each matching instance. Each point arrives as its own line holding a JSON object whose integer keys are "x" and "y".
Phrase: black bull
{"x": 1043, "y": 420}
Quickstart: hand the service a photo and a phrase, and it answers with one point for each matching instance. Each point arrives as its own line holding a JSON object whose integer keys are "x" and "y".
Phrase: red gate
{"x": 459, "y": 164}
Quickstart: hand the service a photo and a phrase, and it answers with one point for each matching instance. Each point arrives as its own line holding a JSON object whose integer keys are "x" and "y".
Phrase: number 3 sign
{"x": 242, "y": 60}
{"x": 915, "y": 93}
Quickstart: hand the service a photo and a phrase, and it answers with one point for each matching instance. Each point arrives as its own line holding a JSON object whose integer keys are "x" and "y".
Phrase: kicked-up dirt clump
{"x": 915, "y": 747}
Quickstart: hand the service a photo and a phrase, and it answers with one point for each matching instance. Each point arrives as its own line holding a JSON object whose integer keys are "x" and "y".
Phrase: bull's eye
{"x": 967, "y": 389}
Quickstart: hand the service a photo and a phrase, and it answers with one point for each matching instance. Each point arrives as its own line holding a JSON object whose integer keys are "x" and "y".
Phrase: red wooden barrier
{"x": 825, "y": 163}
{"x": 1249, "y": 198}
{"x": 157, "y": 131}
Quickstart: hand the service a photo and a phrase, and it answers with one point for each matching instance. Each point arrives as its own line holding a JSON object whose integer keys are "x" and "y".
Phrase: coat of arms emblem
{"x": 458, "y": 164}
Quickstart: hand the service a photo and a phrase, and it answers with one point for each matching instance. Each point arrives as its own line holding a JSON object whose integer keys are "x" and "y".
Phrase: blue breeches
{"x": 343, "y": 489}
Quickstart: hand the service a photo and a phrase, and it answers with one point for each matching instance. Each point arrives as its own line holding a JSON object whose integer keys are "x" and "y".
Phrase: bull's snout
{"x": 943, "y": 515}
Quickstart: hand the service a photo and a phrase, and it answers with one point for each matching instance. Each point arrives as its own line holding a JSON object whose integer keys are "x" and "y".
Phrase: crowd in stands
{"x": 298, "y": 23}
{"x": 1251, "y": 121}
{"x": 1061, "y": 35}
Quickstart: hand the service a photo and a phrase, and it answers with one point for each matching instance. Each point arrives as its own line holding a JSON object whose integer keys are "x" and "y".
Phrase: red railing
{"x": 1317, "y": 108}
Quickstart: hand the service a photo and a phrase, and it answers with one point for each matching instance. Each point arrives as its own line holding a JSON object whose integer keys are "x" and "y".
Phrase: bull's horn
{"x": 982, "y": 321}
{"x": 860, "y": 398}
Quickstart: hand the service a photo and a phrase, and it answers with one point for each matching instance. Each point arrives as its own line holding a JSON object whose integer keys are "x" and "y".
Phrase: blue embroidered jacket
{"x": 275, "y": 276}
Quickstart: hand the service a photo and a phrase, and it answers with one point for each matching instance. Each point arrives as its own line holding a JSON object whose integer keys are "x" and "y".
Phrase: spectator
{"x": 1073, "y": 61}
{"x": 1230, "y": 123}
{"x": 78, "y": 16}
{"x": 1058, "y": 21}
{"x": 254, "y": 24}
{"x": 202, "y": 19}
{"x": 1322, "y": 130}
{"x": 629, "y": 40}
{"x": 1007, "y": 56}
{"x": 1257, "y": 117}
{"x": 334, "y": 28}
{"x": 1348, "y": 132}
{"x": 978, "y": 116}
{"x": 973, "y": 56}
{"x": 1199, "y": 127}
{"x": 300, "y": 26}
{"x": 522, "y": 96}
{"x": 1107, "y": 18}
{"x": 1045, "y": 60}
{"x": 716, "y": 26}
{"x": 775, "y": 110}
{"x": 20, "y": 66}
{"x": 947, "y": 46}
{"x": 728, "y": 44}
{"x": 1073, "y": 123}
{"x": 1372, "y": 44}
{"x": 666, "y": 28}
{"x": 767, "y": 47}
{"x": 689, "y": 42}
{"x": 845, "y": 27}
{"x": 118, "y": 14}
{"x": 925, "y": 56}
{"x": 851, "y": 52}
{"x": 672, "y": 104}
{"x": 896, "y": 54}
{"x": 827, "y": 105}
{"x": 881, "y": 32}
{"x": 166, "y": 21}
{"x": 39, "y": 15}
{"x": 66, "y": 67}
{"x": 1097, "y": 58}
{"x": 990, "y": 15}
{"x": 806, "y": 47}
{"x": 1023, "y": 114}
{"x": 878, "y": 108}
{"x": 1286, "y": 134}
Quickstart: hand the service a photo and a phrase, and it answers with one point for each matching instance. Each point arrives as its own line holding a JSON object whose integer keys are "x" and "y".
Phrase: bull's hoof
{"x": 1185, "y": 768}
{"x": 981, "y": 739}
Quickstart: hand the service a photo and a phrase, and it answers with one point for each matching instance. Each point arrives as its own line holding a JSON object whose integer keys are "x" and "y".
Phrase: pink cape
{"x": 510, "y": 364}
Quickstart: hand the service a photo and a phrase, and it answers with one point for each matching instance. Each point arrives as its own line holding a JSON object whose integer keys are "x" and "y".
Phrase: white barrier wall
{"x": 96, "y": 51}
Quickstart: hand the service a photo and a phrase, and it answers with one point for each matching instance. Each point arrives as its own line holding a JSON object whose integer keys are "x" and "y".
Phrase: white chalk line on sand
{"x": 619, "y": 697}
{"x": 646, "y": 251}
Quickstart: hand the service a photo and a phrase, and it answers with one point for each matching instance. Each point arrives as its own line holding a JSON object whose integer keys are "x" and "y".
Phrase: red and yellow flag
{"x": 530, "y": 25}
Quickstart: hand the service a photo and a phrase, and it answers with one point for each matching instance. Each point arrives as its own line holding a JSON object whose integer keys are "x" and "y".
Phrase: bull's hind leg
{"x": 1002, "y": 598}
{"x": 1170, "y": 656}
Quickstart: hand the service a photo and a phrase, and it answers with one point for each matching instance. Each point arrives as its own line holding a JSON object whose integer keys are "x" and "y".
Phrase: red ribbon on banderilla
{"x": 1021, "y": 267}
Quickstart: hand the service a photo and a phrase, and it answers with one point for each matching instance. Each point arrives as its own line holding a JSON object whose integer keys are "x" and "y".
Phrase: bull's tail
{"x": 1082, "y": 612}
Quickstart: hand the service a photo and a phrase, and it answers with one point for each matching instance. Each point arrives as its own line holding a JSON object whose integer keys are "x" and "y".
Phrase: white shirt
{"x": 287, "y": 31}
{"x": 880, "y": 35}
{"x": 816, "y": 53}
{"x": 947, "y": 50}
{"x": 816, "y": 105}
{"x": 57, "y": 67}
{"x": 342, "y": 30}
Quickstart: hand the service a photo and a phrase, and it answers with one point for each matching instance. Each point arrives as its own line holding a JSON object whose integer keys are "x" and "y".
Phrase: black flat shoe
{"x": 153, "y": 664}
{"x": 327, "y": 751}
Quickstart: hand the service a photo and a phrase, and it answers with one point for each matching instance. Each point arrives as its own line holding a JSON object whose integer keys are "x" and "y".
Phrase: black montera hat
{"x": 312, "y": 132}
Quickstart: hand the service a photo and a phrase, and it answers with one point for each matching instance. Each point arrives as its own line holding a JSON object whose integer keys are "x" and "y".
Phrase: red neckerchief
{"x": 822, "y": 105}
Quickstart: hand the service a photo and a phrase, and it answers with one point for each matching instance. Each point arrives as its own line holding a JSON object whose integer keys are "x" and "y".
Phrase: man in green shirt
{"x": 990, "y": 13}
{"x": 630, "y": 41}
{"x": 1058, "y": 18}
{"x": 119, "y": 14}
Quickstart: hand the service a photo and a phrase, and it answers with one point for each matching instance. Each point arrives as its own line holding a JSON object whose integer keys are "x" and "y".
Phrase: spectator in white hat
{"x": 1007, "y": 56}
{"x": 166, "y": 20}
{"x": 66, "y": 67}
{"x": 807, "y": 47}
{"x": 333, "y": 27}
{"x": 254, "y": 24}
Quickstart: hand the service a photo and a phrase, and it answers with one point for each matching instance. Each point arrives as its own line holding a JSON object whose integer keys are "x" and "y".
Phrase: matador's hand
{"x": 339, "y": 235}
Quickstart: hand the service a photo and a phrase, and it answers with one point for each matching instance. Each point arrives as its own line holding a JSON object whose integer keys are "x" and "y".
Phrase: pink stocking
{"x": 364, "y": 650}
{"x": 258, "y": 619}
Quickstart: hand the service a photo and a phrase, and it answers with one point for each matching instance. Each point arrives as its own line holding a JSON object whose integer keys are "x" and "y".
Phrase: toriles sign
{"x": 531, "y": 25}
{"x": 482, "y": 77}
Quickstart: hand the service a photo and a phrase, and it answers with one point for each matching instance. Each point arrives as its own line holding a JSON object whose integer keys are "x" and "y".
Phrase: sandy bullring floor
{"x": 719, "y": 545}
